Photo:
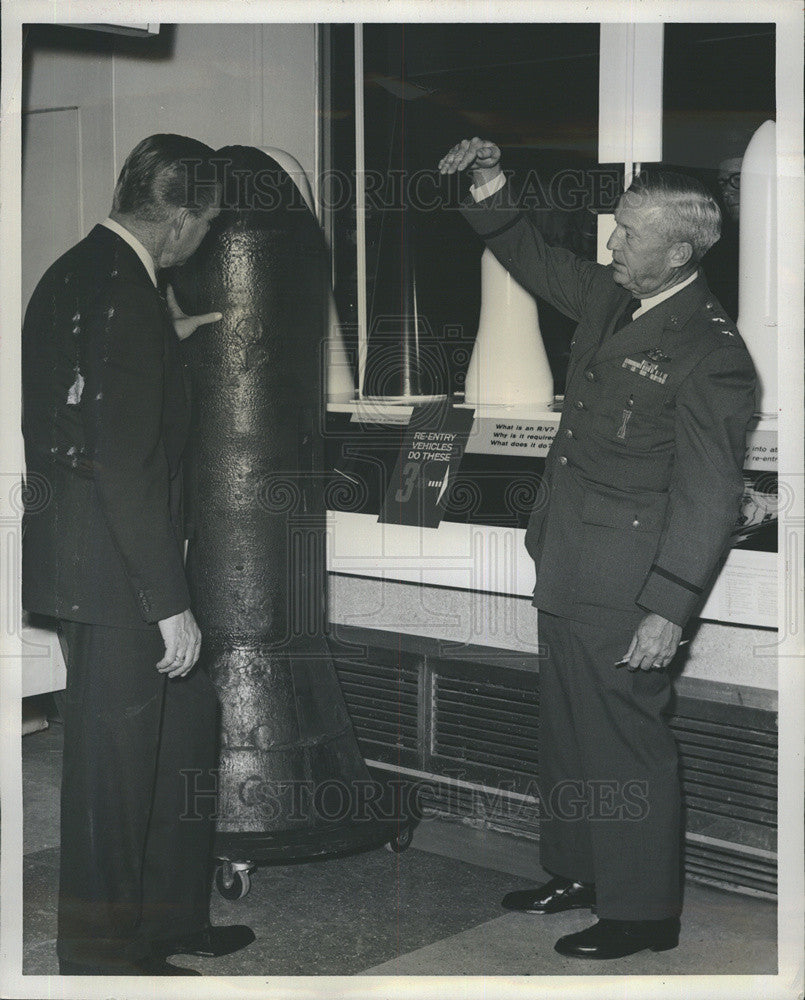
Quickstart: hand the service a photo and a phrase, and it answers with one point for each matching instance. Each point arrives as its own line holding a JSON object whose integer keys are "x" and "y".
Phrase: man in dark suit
{"x": 645, "y": 485}
{"x": 105, "y": 417}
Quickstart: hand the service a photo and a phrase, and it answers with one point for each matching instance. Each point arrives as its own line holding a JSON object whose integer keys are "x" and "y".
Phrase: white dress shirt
{"x": 653, "y": 300}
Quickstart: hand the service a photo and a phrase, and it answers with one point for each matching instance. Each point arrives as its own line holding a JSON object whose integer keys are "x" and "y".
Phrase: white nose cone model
{"x": 757, "y": 262}
{"x": 508, "y": 364}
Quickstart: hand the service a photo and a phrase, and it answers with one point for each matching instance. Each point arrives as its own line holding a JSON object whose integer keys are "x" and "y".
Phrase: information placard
{"x": 510, "y": 435}
{"x": 429, "y": 456}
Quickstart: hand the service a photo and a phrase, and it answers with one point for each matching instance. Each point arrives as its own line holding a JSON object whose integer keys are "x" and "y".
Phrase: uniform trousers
{"x": 135, "y": 851}
{"x": 609, "y": 785}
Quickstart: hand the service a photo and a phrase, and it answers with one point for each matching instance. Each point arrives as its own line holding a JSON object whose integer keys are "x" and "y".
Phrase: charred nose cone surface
{"x": 254, "y": 498}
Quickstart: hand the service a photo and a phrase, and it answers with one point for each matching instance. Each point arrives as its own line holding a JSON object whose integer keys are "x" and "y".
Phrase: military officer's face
{"x": 643, "y": 260}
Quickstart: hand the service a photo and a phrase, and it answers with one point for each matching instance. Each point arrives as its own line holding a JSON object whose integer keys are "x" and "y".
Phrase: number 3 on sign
{"x": 410, "y": 475}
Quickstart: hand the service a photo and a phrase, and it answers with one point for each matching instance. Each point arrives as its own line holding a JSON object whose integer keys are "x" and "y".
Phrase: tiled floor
{"x": 433, "y": 910}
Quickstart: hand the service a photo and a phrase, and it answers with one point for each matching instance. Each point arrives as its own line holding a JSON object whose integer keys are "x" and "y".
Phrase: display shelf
{"x": 386, "y": 411}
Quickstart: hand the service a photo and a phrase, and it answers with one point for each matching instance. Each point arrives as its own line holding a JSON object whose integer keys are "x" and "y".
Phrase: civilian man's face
{"x": 182, "y": 244}
{"x": 641, "y": 253}
{"x": 729, "y": 173}
{"x": 194, "y": 231}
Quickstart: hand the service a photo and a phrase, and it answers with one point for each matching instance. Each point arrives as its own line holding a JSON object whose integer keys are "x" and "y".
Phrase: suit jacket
{"x": 105, "y": 418}
{"x": 644, "y": 473}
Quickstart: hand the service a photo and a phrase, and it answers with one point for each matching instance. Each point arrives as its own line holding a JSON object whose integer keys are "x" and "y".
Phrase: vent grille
{"x": 476, "y": 723}
{"x": 725, "y": 866}
{"x": 382, "y": 696}
{"x": 493, "y": 807}
{"x": 731, "y": 868}
{"x": 728, "y": 758}
{"x": 487, "y": 724}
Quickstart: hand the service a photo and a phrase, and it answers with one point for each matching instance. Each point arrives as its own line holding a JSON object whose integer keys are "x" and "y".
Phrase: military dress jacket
{"x": 105, "y": 419}
{"x": 644, "y": 475}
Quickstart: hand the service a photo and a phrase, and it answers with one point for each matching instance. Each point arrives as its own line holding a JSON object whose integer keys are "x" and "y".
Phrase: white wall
{"x": 253, "y": 84}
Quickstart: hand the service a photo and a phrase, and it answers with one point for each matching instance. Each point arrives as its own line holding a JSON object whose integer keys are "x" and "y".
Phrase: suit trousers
{"x": 135, "y": 851}
{"x": 609, "y": 785}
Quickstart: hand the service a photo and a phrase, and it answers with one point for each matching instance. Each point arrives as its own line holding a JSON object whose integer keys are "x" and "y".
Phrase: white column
{"x": 630, "y": 93}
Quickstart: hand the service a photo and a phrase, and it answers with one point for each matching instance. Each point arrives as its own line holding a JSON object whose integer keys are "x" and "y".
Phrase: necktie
{"x": 626, "y": 316}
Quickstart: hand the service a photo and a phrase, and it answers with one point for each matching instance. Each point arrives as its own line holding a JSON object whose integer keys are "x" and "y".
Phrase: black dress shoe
{"x": 145, "y": 967}
{"x": 213, "y": 942}
{"x": 553, "y": 897}
{"x": 618, "y": 938}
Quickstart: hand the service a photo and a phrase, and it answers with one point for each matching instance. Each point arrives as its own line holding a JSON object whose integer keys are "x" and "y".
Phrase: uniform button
{"x": 562, "y": 460}
{"x": 569, "y": 433}
{"x": 636, "y": 523}
{"x": 579, "y": 404}
{"x": 589, "y": 375}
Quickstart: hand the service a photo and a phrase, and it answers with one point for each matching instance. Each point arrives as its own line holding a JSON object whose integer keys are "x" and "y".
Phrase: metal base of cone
{"x": 393, "y": 824}
{"x": 303, "y": 845}
{"x": 394, "y": 813}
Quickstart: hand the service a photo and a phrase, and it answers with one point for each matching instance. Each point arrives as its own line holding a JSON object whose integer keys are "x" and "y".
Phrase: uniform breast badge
{"x": 656, "y": 355}
{"x": 646, "y": 369}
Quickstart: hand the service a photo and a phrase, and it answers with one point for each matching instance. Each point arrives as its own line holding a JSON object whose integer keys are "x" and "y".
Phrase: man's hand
{"x": 479, "y": 154}
{"x": 654, "y": 644}
{"x": 182, "y": 644}
{"x": 183, "y": 324}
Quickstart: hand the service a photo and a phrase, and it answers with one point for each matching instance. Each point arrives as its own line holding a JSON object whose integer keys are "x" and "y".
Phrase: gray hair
{"x": 164, "y": 172}
{"x": 688, "y": 213}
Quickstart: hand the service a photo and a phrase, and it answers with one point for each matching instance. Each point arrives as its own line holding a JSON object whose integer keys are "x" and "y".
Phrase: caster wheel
{"x": 401, "y": 841}
{"x": 232, "y": 884}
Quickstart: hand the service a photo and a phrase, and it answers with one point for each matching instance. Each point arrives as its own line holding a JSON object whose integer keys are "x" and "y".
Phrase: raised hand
{"x": 481, "y": 155}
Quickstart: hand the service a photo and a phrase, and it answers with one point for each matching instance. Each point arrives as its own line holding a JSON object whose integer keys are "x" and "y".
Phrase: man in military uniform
{"x": 645, "y": 485}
